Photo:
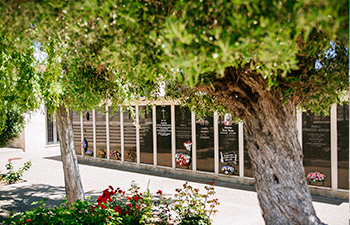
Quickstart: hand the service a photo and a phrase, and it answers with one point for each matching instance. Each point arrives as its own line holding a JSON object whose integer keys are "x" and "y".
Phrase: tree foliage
{"x": 122, "y": 49}
{"x": 19, "y": 90}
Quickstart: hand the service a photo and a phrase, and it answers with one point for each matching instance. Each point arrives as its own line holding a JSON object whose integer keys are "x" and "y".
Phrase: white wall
{"x": 35, "y": 130}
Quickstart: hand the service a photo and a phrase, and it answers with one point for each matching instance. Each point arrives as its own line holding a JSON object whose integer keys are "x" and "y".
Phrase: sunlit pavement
{"x": 45, "y": 180}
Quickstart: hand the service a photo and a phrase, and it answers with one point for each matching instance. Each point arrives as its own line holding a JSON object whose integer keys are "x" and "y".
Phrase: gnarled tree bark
{"x": 72, "y": 179}
{"x": 272, "y": 141}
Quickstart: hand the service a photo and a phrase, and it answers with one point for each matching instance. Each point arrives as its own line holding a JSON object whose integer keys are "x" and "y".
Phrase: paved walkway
{"x": 45, "y": 180}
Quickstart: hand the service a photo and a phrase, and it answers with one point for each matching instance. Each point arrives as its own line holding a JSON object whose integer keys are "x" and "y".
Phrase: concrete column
{"x": 137, "y": 135}
{"x": 121, "y": 134}
{"x": 241, "y": 149}
{"x": 107, "y": 132}
{"x": 154, "y": 123}
{"x": 194, "y": 142}
{"x": 173, "y": 137}
{"x": 334, "y": 148}
{"x": 216, "y": 144}
{"x": 94, "y": 130}
{"x": 82, "y": 133}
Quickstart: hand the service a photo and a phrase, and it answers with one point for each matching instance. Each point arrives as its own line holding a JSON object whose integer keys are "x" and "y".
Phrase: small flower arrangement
{"x": 182, "y": 159}
{"x": 116, "y": 154}
{"x": 227, "y": 169}
{"x": 89, "y": 152}
{"x": 84, "y": 144}
{"x": 316, "y": 177}
{"x": 188, "y": 145}
{"x": 131, "y": 154}
{"x": 102, "y": 153}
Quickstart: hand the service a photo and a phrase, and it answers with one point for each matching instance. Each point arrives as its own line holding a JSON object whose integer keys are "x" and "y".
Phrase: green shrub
{"x": 13, "y": 176}
{"x": 78, "y": 213}
{"x": 11, "y": 126}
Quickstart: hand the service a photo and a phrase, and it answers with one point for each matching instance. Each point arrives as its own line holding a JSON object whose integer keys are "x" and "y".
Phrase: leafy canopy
{"x": 123, "y": 50}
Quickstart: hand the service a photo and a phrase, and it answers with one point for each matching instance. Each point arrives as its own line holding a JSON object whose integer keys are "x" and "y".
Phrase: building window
{"x": 51, "y": 127}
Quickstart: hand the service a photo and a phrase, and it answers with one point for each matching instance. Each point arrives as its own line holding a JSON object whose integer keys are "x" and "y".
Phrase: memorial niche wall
{"x": 248, "y": 166}
{"x": 343, "y": 145}
{"x": 129, "y": 136}
{"x": 183, "y": 130}
{"x": 228, "y": 145}
{"x": 114, "y": 134}
{"x": 101, "y": 138}
{"x": 163, "y": 122}
{"x": 77, "y": 133}
{"x": 146, "y": 135}
{"x": 205, "y": 144}
{"x": 316, "y": 146}
{"x": 88, "y": 145}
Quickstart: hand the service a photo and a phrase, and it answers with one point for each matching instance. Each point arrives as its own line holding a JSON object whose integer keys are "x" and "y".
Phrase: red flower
{"x": 136, "y": 198}
{"x": 159, "y": 192}
{"x": 28, "y": 220}
{"x": 110, "y": 186}
{"x": 10, "y": 161}
{"x": 109, "y": 217}
{"x": 118, "y": 209}
{"x": 127, "y": 212}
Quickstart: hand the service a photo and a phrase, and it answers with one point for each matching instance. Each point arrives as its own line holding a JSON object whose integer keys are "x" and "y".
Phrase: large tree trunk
{"x": 272, "y": 141}
{"x": 276, "y": 154}
{"x": 73, "y": 185}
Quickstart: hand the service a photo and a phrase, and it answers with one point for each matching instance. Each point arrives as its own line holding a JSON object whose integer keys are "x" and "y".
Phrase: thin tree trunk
{"x": 73, "y": 185}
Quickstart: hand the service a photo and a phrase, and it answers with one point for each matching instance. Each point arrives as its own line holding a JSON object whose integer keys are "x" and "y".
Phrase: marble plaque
{"x": 163, "y": 135}
{"x": 205, "y": 144}
{"x": 146, "y": 135}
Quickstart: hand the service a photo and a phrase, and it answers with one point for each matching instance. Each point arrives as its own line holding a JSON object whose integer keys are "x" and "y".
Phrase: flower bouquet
{"x": 182, "y": 159}
{"x": 227, "y": 169}
{"x": 116, "y": 155}
{"x": 102, "y": 153}
{"x": 316, "y": 177}
{"x": 89, "y": 152}
{"x": 84, "y": 144}
{"x": 188, "y": 145}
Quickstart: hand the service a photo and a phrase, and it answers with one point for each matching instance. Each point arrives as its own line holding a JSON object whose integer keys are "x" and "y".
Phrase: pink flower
{"x": 10, "y": 160}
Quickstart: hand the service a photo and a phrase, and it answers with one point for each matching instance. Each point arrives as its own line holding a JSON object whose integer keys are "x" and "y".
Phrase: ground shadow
{"x": 20, "y": 197}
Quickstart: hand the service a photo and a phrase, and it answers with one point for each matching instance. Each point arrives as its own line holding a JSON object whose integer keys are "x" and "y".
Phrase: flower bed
{"x": 115, "y": 206}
